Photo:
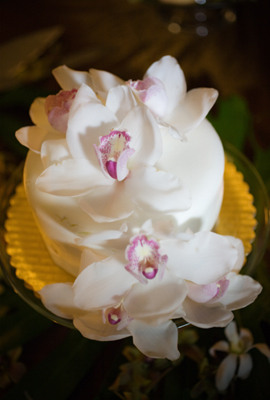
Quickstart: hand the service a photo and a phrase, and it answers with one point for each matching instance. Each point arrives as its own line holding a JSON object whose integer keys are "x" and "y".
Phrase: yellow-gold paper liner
{"x": 34, "y": 265}
{"x": 26, "y": 247}
{"x": 237, "y": 214}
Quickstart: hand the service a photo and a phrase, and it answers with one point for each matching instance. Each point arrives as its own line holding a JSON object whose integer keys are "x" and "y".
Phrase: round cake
{"x": 125, "y": 180}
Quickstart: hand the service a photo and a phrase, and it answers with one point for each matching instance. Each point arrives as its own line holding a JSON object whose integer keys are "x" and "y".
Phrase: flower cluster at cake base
{"x": 157, "y": 278}
{"x": 100, "y": 142}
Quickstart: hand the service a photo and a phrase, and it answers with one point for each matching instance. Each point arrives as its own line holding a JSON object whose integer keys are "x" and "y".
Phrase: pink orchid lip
{"x": 112, "y": 168}
{"x": 150, "y": 272}
{"x": 145, "y": 261}
{"x": 117, "y": 316}
{"x": 113, "y": 154}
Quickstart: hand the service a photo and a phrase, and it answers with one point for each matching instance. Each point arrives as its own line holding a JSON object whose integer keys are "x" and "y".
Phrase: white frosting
{"x": 199, "y": 163}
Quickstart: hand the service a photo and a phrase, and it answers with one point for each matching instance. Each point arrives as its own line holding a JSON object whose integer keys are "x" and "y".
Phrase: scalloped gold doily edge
{"x": 35, "y": 267}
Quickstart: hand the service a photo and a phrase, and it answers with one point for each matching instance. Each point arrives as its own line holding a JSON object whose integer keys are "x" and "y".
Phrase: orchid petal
{"x": 190, "y": 113}
{"x": 242, "y": 291}
{"x": 222, "y": 345}
{"x": 204, "y": 259}
{"x": 57, "y": 108}
{"x": 226, "y": 372}
{"x": 144, "y": 302}
{"x": 151, "y": 92}
{"x": 145, "y": 136}
{"x": 89, "y": 257}
{"x": 121, "y": 167}
{"x": 231, "y": 332}
{"x": 103, "y": 81}
{"x": 156, "y": 191}
{"x": 102, "y": 284}
{"x": 203, "y": 316}
{"x": 54, "y": 151}
{"x": 91, "y": 326}
{"x": 58, "y": 298}
{"x": 38, "y": 114}
{"x": 120, "y": 101}
{"x": 246, "y": 338}
{"x": 245, "y": 366}
{"x": 70, "y": 178}
{"x": 108, "y": 203}
{"x": 172, "y": 130}
{"x": 168, "y": 71}
{"x": 84, "y": 95}
{"x": 70, "y": 79}
{"x": 263, "y": 348}
{"x": 90, "y": 121}
{"x": 33, "y": 137}
{"x": 238, "y": 244}
{"x": 201, "y": 293}
{"x": 155, "y": 341}
{"x": 100, "y": 237}
{"x": 147, "y": 227}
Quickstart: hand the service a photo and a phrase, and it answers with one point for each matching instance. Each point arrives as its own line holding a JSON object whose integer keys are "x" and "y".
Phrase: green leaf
{"x": 232, "y": 120}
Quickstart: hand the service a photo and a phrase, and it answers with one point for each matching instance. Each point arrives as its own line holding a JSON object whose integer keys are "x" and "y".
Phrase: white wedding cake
{"x": 125, "y": 180}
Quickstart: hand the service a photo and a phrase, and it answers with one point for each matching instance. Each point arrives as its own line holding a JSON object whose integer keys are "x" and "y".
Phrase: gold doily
{"x": 26, "y": 247}
{"x": 34, "y": 265}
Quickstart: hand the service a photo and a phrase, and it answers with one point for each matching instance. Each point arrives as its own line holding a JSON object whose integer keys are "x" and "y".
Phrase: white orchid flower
{"x": 121, "y": 295}
{"x": 33, "y": 136}
{"x": 163, "y": 90}
{"x": 238, "y": 363}
{"x": 211, "y": 304}
{"x": 50, "y": 116}
{"x": 120, "y": 306}
{"x": 108, "y": 159}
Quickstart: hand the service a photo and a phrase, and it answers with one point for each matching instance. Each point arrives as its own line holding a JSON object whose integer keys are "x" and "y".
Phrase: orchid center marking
{"x": 145, "y": 261}
{"x": 117, "y": 316}
{"x": 113, "y": 154}
{"x": 113, "y": 318}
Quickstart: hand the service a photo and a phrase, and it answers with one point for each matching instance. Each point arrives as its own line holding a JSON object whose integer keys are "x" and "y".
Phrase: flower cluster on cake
{"x": 125, "y": 179}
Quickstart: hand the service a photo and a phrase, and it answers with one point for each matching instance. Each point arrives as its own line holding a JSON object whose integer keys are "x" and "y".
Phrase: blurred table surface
{"x": 125, "y": 37}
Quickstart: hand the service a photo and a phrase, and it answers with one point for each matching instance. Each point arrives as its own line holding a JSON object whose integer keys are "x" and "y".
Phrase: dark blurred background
{"x": 220, "y": 44}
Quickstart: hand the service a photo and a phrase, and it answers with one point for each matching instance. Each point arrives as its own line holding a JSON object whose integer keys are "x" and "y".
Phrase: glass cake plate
{"x": 244, "y": 214}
